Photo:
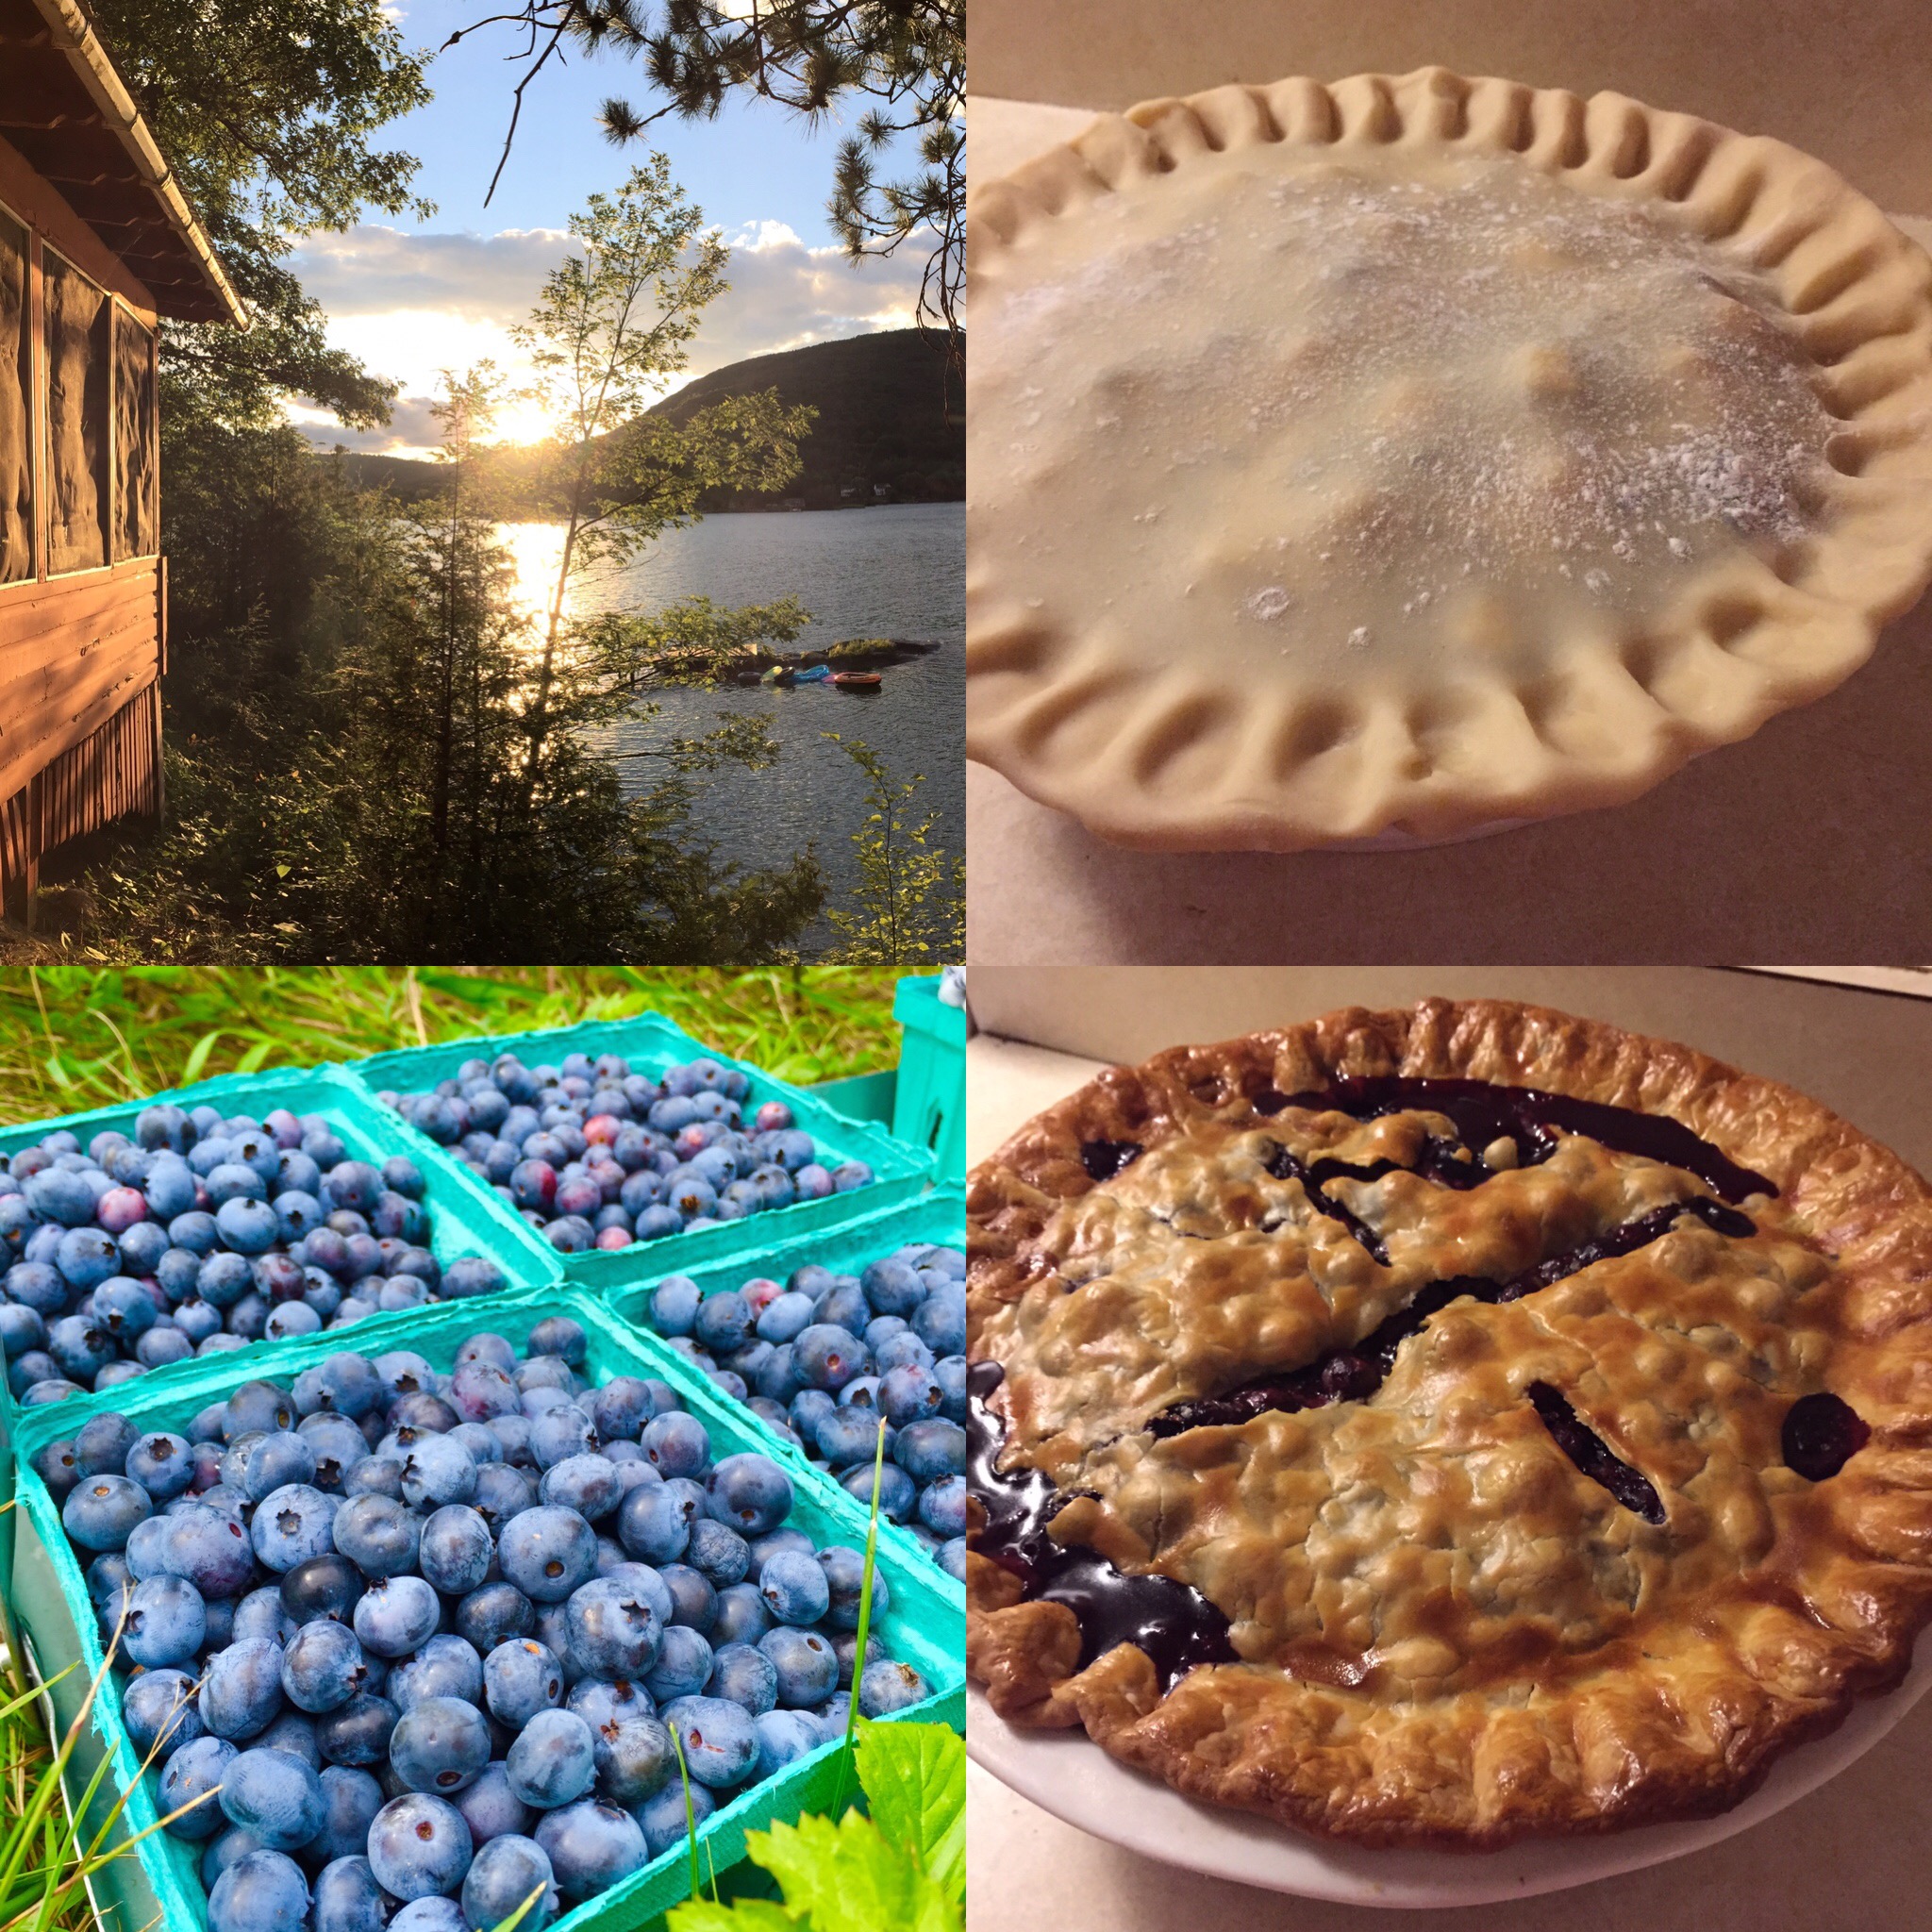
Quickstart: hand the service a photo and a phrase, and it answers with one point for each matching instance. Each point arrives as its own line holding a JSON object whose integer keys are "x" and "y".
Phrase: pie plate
{"x": 1064, "y": 1773}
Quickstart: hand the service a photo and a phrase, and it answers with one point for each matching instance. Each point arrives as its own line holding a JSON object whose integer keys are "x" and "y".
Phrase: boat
{"x": 856, "y": 680}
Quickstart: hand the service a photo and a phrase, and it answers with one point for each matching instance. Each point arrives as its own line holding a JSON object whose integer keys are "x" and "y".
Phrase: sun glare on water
{"x": 535, "y": 551}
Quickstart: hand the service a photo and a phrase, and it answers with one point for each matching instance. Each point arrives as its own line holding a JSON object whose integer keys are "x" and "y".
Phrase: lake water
{"x": 895, "y": 570}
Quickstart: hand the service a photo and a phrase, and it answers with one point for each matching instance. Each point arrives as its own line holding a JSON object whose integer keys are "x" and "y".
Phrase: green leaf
{"x": 914, "y": 1777}
{"x": 743, "y": 1915}
{"x": 197, "y": 1059}
{"x": 849, "y": 1877}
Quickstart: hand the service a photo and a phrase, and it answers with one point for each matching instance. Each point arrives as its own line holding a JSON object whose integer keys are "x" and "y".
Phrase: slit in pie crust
{"x": 1411, "y": 454}
{"x": 1448, "y": 1426}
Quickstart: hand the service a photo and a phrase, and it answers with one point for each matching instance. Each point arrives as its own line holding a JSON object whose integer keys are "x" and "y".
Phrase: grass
{"x": 74, "y": 1037}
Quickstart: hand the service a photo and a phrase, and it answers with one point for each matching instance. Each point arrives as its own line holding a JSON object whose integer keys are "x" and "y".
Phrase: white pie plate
{"x": 1065, "y": 1774}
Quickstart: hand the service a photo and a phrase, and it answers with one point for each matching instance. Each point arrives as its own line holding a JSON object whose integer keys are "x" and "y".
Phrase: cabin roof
{"x": 67, "y": 110}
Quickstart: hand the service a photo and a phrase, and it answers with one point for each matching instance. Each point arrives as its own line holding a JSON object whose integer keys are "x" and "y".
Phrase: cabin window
{"x": 16, "y": 415}
{"x": 79, "y": 327}
{"x": 136, "y": 518}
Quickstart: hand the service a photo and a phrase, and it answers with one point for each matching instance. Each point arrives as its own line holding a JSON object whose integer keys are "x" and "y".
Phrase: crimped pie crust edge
{"x": 1740, "y": 643}
{"x": 1692, "y": 1730}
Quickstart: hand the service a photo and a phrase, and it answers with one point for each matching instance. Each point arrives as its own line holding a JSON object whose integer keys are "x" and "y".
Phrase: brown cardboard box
{"x": 1810, "y": 840}
{"x": 1857, "y": 1853}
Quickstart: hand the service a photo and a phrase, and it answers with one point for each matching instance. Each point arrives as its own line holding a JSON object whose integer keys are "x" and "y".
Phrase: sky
{"x": 414, "y": 296}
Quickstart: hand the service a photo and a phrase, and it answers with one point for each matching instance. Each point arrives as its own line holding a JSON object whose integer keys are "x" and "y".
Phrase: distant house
{"x": 96, "y": 244}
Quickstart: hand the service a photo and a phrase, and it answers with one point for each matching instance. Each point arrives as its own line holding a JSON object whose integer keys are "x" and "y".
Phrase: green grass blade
{"x": 847, "y": 1756}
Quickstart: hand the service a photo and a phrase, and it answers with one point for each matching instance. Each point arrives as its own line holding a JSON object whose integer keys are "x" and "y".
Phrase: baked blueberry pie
{"x": 1401, "y": 458}
{"x": 1448, "y": 1425}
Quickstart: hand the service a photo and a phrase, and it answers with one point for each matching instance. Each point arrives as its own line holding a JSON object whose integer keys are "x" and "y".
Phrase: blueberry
{"x": 590, "y": 1846}
{"x": 292, "y": 1525}
{"x": 845, "y": 1569}
{"x": 885, "y": 1686}
{"x": 261, "y": 1891}
{"x": 275, "y": 1796}
{"x": 553, "y": 1761}
{"x": 356, "y": 1733}
{"x": 495, "y": 1614}
{"x": 806, "y": 1666}
{"x": 909, "y": 1394}
{"x": 744, "y": 1675}
{"x": 662, "y": 1819}
{"x": 347, "y": 1898}
{"x": 520, "y": 1679}
{"x": 162, "y": 1464}
{"x": 635, "y": 1758}
{"x": 897, "y": 1493}
{"x": 431, "y": 1915}
{"x": 418, "y": 1846}
{"x": 100, "y": 1512}
{"x": 739, "y": 1615}
{"x": 848, "y": 1438}
{"x": 447, "y": 1666}
{"x": 455, "y": 1550}
{"x": 241, "y": 1687}
{"x": 588, "y": 1484}
{"x": 489, "y": 1808}
{"x": 260, "y": 1614}
{"x": 435, "y": 1471}
{"x": 654, "y": 1524}
{"x": 784, "y": 1737}
{"x": 192, "y": 1777}
{"x": 395, "y": 1614}
{"x": 721, "y": 1745}
{"x": 377, "y": 1535}
{"x": 952, "y": 1557}
{"x": 942, "y": 1506}
{"x": 350, "y": 1800}
{"x": 507, "y": 1870}
{"x": 795, "y": 1589}
{"x": 749, "y": 1491}
{"x": 613, "y": 1630}
{"x": 166, "y": 1622}
{"x": 683, "y": 1665}
{"x": 327, "y": 1586}
{"x": 547, "y": 1553}
{"x": 694, "y": 1602}
{"x": 440, "y": 1744}
{"x": 928, "y": 1451}
{"x": 717, "y": 1551}
{"x": 828, "y": 1357}
{"x": 159, "y": 1710}
{"x": 675, "y": 1444}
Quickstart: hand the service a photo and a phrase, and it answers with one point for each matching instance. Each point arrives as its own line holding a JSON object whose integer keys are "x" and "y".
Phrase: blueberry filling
{"x": 1347, "y": 1374}
{"x": 1593, "y": 1455}
{"x": 1820, "y": 1435}
{"x": 1532, "y": 1119}
{"x": 1103, "y": 1159}
{"x": 1175, "y": 1625}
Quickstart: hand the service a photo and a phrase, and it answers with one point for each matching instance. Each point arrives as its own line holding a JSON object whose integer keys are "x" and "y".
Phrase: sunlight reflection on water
{"x": 897, "y": 571}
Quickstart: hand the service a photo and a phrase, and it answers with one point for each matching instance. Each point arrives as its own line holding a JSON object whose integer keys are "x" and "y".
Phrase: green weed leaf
{"x": 914, "y": 1777}
{"x": 849, "y": 1877}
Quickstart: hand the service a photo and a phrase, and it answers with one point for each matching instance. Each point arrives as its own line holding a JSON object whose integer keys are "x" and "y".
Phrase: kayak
{"x": 856, "y": 680}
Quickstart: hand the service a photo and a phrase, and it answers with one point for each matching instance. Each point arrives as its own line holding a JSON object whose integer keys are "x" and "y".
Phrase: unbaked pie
{"x": 1446, "y": 1425}
{"x": 1406, "y": 457}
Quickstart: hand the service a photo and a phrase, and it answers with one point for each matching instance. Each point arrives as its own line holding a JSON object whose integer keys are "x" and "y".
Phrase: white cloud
{"x": 411, "y": 304}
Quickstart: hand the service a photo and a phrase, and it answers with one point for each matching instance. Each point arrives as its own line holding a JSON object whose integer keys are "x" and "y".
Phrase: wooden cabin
{"x": 96, "y": 244}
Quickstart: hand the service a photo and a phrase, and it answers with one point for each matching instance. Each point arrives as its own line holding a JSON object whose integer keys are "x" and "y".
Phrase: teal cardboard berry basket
{"x": 937, "y": 1217}
{"x": 462, "y": 1220}
{"x": 651, "y": 1043}
{"x": 930, "y": 1102}
{"x": 159, "y": 1882}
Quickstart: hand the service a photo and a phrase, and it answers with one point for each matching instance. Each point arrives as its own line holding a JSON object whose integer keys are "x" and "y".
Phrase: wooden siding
{"x": 72, "y": 654}
{"x": 115, "y": 769}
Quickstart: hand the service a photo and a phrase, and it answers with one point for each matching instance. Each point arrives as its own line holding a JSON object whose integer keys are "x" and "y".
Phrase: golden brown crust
{"x": 1156, "y": 746}
{"x": 1449, "y": 1635}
